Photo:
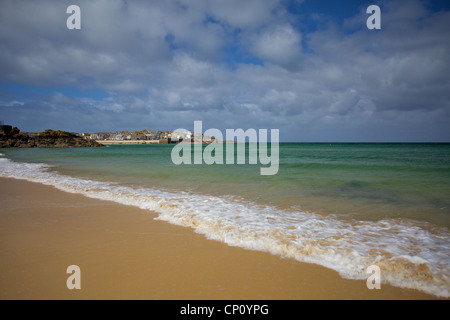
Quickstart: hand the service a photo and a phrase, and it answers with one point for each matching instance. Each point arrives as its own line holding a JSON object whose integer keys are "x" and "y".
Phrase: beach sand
{"x": 123, "y": 253}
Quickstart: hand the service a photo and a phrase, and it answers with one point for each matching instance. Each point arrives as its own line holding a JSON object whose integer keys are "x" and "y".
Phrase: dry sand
{"x": 123, "y": 253}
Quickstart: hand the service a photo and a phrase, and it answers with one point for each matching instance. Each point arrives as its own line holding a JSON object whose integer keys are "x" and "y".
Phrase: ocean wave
{"x": 410, "y": 254}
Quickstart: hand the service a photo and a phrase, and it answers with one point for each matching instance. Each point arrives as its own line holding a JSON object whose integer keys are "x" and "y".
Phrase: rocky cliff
{"x": 47, "y": 139}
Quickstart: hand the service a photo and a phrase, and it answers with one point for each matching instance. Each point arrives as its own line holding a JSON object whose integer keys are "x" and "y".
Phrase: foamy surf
{"x": 410, "y": 254}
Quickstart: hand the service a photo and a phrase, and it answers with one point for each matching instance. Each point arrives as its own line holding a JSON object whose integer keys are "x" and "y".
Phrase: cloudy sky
{"x": 310, "y": 68}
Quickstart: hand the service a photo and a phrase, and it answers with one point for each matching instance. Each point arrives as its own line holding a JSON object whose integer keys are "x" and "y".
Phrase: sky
{"x": 310, "y": 68}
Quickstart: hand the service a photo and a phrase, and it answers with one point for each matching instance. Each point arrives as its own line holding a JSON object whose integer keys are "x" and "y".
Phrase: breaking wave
{"x": 410, "y": 254}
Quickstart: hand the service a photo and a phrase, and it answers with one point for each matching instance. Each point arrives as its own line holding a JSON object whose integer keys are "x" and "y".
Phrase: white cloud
{"x": 280, "y": 45}
{"x": 12, "y": 103}
{"x": 165, "y": 64}
{"x": 249, "y": 14}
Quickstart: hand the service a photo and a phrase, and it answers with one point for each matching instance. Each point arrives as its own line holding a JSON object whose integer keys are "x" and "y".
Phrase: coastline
{"x": 123, "y": 253}
{"x": 126, "y": 142}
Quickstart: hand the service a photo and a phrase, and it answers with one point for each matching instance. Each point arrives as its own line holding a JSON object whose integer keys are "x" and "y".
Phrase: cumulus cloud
{"x": 280, "y": 45}
{"x": 164, "y": 64}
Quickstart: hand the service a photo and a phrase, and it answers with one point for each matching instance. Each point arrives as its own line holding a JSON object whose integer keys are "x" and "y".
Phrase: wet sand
{"x": 123, "y": 253}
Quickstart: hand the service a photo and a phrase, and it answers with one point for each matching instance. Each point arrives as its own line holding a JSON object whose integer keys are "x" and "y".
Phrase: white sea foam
{"x": 410, "y": 254}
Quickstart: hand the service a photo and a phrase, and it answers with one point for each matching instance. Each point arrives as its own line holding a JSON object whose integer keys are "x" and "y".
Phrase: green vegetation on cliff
{"x": 14, "y": 138}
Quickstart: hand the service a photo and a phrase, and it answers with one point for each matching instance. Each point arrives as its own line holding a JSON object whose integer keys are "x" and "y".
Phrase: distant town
{"x": 145, "y": 137}
{"x": 122, "y": 137}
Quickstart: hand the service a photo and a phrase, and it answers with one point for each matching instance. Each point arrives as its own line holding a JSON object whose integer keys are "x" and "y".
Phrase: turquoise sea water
{"x": 345, "y": 206}
{"x": 371, "y": 181}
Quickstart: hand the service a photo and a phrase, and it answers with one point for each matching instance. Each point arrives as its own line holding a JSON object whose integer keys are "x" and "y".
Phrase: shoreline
{"x": 126, "y": 142}
{"x": 123, "y": 253}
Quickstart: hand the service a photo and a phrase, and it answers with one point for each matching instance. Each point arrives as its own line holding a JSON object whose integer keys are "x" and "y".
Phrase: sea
{"x": 345, "y": 206}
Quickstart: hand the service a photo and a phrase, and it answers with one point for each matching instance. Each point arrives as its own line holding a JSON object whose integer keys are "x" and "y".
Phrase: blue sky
{"x": 309, "y": 68}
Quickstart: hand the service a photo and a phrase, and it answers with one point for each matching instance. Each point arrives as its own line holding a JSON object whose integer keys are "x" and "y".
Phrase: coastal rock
{"x": 46, "y": 139}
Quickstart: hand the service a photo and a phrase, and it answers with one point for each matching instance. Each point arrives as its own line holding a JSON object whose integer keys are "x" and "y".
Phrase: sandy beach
{"x": 123, "y": 253}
